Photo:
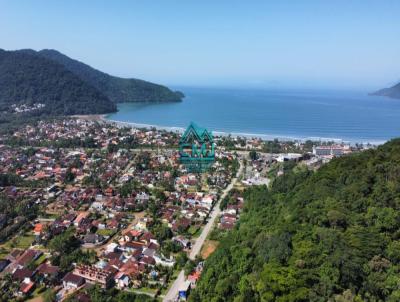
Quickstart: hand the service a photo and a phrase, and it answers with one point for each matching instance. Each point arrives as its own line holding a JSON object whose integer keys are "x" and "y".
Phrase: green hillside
{"x": 332, "y": 235}
{"x": 26, "y": 78}
{"x": 117, "y": 89}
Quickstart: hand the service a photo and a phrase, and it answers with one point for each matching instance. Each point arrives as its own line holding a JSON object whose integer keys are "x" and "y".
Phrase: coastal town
{"x": 199, "y": 151}
{"x": 88, "y": 205}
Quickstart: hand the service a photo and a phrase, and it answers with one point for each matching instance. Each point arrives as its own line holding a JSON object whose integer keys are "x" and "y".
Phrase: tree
{"x": 181, "y": 259}
{"x": 189, "y": 267}
{"x": 328, "y": 235}
{"x": 253, "y": 155}
{"x": 69, "y": 175}
{"x": 49, "y": 296}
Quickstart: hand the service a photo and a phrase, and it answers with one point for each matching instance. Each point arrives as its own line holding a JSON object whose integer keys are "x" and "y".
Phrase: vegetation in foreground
{"x": 332, "y": 235}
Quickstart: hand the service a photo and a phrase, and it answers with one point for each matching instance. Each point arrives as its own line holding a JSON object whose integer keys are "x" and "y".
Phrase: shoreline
{"x": 266, "y": 137}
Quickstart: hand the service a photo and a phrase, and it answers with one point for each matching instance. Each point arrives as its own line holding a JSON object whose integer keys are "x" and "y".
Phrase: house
{"x": 193, "y": 278}
{"x": 181, "y": 225}
{"x": 48, "y": 271}
{"x": 96, "y": 205}
{"x": 142, "y": 197}
{"x": 28, "y": 256}
{"x": 132, "y": 268}
{"x": 229, "y": 218}
{"x": 111, "y": 247}
{"x": 147, "y": 238}
{"x": 116, "y": 263}
{"x": 148, "y": 260}
{"x": 136, "y": 254}
{"x": 81, "y": 216}
{"x": 113, "y": 224}
{"x": 114, "y": 256}
{"x": 164, "y": 261}
{"x": 93, "y": 239}
{"x": 207, "y": 201}
{"x": 185, "y": 243}
{"x": 38, "y": 229}
{"x": 132, "y": 246}
{"x": 26, "y": 287}
{"x": 72, "y": 281}
{"x": 226, "y": 226}
{"x": 149, "y": 252}
{"x": 20, "y": 274}
{"x": 132, "y": 235}
{"x": 121, "y": 280}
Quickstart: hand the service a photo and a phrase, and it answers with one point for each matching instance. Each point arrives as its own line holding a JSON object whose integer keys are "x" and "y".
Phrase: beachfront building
{"x": 333, "y": 150}
{"x": 289, "y": 156}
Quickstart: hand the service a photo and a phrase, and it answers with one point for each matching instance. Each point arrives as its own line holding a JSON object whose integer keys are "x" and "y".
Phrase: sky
{"x": 341, "y": 43}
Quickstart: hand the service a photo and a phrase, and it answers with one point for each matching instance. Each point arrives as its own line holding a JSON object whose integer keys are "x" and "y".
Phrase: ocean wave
{"x": 252, "y": 135}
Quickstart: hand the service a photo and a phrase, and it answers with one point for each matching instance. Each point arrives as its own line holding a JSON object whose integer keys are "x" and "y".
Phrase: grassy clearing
{"x": 194, "y": 231}
{"x": 106, "y": 232}
{"x": 20, "y": 242}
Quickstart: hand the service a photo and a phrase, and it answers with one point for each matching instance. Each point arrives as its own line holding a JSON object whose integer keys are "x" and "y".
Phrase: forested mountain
{"x": 330, "y": 235}
{"x": 393, "y": 92}
{"x": 117, "y": 89}
{"x": 27, "y": 78}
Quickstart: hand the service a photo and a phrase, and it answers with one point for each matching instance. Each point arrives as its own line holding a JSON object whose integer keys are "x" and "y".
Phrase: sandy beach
{"x": 103, "y": 118}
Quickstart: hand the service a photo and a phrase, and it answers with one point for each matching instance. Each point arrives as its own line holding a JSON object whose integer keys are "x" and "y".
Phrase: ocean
{"x": 349, "y": 116}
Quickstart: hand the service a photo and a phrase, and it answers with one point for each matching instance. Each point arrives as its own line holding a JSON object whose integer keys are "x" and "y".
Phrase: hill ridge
{"x": 116, "y": 88}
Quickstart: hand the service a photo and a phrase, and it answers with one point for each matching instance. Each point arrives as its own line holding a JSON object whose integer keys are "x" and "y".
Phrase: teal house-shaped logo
{"x": 196, "y": 148}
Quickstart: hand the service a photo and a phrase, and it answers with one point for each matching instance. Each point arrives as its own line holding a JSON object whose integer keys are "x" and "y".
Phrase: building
{"x": 94, "y": 274}
{"x": 72, "y": 281}
{"x": 184, "y": 290}
{"x": 26, "y": 287}
{"x": 289, "y": 156}
{"x": 333, "y": 150}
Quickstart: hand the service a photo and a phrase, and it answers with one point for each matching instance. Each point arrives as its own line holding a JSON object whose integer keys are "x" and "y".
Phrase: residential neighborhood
{"x": 95, "y": 203}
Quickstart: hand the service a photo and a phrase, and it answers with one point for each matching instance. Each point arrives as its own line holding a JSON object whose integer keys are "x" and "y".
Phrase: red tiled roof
{"x": 45, "y": 268}
{"x": 26, "y": 287}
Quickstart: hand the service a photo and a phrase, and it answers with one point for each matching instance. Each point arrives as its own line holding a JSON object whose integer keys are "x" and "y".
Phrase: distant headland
{"x": 392, "y": 92}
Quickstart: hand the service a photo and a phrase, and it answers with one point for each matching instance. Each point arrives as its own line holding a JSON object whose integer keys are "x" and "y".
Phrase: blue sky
{"x": 229, "y": 43}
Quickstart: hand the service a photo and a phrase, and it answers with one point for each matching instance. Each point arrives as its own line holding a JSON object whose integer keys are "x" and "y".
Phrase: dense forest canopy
{"x": 115, "y": 88}
{"x": 60, "y": 85}
{"x": 330, "y": 235}
{"x": 26, "y": 78}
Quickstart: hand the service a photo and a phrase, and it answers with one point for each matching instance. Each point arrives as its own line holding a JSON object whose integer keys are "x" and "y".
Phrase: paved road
{"x": 174, "y": 289}
{"x": 196, "y": 248}
{"x": 214, "y": 215}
